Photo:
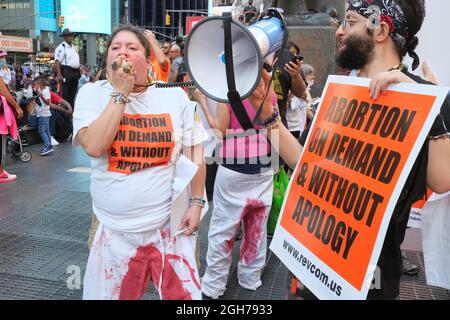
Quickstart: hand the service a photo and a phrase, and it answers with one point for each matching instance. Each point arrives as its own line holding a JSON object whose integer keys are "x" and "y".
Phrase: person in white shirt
{"x": 67, "y": 63}
{"x": 42, "y": 107}
{"x": 5, "y": 73}
{"x": 299, "y": 109}
{"x": 143, "y": 142}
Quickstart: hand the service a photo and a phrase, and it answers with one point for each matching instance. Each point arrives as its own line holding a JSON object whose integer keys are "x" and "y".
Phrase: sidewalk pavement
{"x": 44, "y": 221}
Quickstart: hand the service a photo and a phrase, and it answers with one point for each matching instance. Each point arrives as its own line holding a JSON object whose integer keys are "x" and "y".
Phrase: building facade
{"x": 38, "y": 20}
{"x": 152, "y": 14}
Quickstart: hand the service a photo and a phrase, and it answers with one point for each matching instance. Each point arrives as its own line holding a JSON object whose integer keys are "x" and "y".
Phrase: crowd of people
{"x": 133, "y": 241}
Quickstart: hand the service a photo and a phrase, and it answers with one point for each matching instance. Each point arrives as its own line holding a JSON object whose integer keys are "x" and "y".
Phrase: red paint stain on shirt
{"x": 253, "y": 216}
{"x": 146, "y": 265}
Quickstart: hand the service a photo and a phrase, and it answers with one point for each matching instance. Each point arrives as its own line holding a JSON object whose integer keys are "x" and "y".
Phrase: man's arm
{"x": 163, "y": 61}
{"x": 438, "y": 169}
{"x": 59, "y": 76}
{"x": 298, "y": 86}
{"x": 174, "y": 76}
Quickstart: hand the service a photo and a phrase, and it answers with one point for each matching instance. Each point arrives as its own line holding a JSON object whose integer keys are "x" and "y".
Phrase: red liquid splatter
{"x": 146, "y": 265}
{"x": 253, "y": 216}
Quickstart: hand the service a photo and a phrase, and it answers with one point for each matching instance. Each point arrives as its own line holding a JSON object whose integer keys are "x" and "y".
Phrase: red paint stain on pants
{"x": 230, "y": 243}
{"x": 146, "y": 265}
{"x": 253, "y": 216}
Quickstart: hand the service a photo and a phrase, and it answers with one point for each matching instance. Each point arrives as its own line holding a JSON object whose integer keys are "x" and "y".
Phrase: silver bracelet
{"x": 119, "y": 98}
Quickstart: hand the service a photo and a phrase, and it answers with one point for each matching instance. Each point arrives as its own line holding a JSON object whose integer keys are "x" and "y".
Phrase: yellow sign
{"x": 16, "y": 44}
{"x": 61, "y": 21}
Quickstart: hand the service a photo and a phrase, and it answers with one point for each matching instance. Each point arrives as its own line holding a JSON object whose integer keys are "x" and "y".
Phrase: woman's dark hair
{"x": 291, "y": 44}
{"x": 101, "y": 75}
{"x": 414, "y": 11}
{"x": 137, "y": 31}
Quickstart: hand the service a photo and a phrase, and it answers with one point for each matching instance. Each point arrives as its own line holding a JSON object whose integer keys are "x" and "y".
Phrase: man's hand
{"x": 381, "y": 82}
{"x": 293, "y": 69}
{"x": 150, "y": 36}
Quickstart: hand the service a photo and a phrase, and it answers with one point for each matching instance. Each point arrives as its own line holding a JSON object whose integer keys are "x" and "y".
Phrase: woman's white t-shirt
{"x": 131, "y": 185}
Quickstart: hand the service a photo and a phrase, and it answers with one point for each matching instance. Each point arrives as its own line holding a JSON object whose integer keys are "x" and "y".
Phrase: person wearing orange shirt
{"x": 160, "y": 62}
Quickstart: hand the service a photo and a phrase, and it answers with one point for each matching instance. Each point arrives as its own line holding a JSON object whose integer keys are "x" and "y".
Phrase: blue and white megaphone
{"x": 252, "y": 46}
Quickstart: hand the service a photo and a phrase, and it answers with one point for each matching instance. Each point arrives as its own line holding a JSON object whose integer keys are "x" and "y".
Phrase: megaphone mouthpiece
{"x": 206, "y": 61}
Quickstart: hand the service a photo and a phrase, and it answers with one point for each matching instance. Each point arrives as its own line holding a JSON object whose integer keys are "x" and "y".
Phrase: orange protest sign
{"x": 142, "y": 141}
{"x": 345, "y": 187}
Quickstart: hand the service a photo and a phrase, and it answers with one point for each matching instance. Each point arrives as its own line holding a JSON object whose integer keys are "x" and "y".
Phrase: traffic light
{"x": 61, "y": 21}
{"x": 167, "y": 19}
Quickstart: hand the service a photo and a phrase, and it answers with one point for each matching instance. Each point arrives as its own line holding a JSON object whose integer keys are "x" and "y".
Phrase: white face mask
{"x": 310, "y": 83}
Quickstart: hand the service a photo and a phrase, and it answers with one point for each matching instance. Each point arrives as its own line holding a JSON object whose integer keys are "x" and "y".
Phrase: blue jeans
{"x": 44, "y": 130}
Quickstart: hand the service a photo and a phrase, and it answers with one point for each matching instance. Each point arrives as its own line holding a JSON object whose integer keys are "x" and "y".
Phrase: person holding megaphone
{"x": 145, "y": 145}
{"x": 242, "y": 195}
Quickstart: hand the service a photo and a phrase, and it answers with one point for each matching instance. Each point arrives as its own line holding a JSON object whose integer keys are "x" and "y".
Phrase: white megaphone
{"x": 205, "y": 57}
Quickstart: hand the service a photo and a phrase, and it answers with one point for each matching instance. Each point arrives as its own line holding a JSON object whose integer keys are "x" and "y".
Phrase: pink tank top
{"x": 248, "y": 146}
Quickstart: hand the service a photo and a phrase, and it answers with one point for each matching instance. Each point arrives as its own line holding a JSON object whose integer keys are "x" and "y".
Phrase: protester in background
{"x": 42, "y": 97}
{"x": 177, "y": 59}
{"x": 67, "y": 63}
{"x": 299, "y": 109}
{"x": 166, "y": 49}
{"x": 250, "y": 12}
{"x": 5, "y": 73}
{"x": 293, "y": 48}
{"x": 160, "y": 63}
{"x": 83, "y": 79}
{"x": 287, "y": 79}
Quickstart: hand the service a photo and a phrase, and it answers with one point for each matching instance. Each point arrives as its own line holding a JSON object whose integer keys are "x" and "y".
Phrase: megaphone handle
{"x": 229, "y": 63}
{"x": 233, "y": 95}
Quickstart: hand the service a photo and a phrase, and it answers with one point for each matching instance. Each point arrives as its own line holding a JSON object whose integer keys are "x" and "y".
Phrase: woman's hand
{"x": 257, "y": 96}
{"x": 200, "y": 98}
{"x": 191, "y": 220}
{"x": 122, "y": 82}
{"x": 381, "y": 82}
{"x": 19, "y": 113}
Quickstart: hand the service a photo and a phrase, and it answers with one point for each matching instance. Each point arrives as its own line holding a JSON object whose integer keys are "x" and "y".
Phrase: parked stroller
{"x": 16, "y": 148}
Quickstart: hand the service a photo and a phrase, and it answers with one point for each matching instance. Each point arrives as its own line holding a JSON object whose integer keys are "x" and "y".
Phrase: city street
{"x": 44, "y": 221}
